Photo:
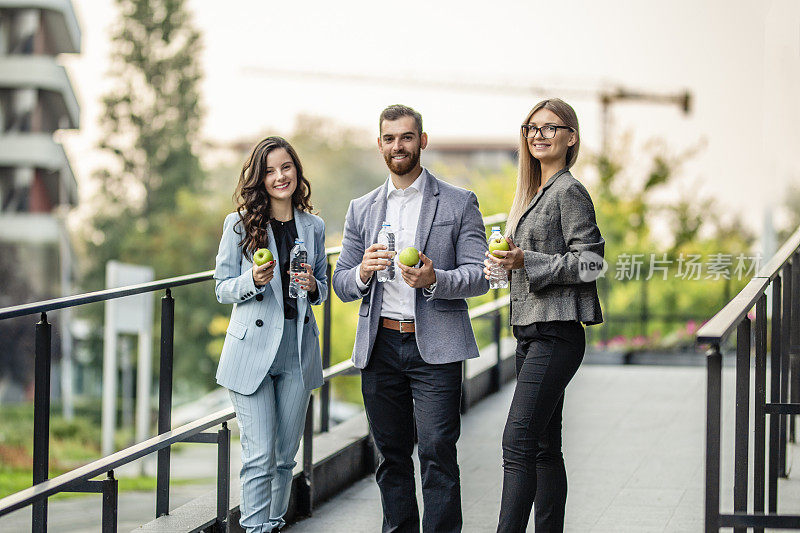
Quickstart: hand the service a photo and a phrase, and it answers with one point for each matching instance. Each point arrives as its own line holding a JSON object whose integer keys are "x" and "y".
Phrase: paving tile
{"x": 661, "y": 474}
{"x": 654, "y": 498}
{"x": 365, "y": 489}
{"x": 633, "y": 445}
{"x": 683, "y": 525}
{"x": 629, "y": 517}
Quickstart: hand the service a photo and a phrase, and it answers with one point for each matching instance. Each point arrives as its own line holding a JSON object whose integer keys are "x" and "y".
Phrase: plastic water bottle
{"x": 386, "y": 238}
{"x": 298, "y": 256}
{"x": 498, "y": 279}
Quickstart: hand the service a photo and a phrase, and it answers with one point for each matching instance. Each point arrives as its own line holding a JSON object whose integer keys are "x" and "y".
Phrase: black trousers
{"x": 400, "y": 389}
{"x": 548, "y": 355}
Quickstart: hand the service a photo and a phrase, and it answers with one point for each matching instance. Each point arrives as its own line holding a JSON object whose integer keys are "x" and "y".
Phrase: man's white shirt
{"x": 402, "y": 212}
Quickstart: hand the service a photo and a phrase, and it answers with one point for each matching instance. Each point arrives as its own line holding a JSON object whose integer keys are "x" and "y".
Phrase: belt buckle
{"x": 401, "y": 322}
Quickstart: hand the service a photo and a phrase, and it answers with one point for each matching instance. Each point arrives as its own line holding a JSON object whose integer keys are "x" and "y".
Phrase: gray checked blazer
{"x": 451, "y": 233}
{"x": 557, "y": 226}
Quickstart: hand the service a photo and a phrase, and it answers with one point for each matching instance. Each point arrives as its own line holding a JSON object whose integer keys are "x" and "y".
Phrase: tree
{"x": 340, "y": 163}
{"x": 792, "y": 206}
{"x": 152, "y": 116}
{"x": 16, "y": 334}
{"x": 150, "y": 126}
{"x": 625, "y": 191}
{"x": 153, "y": 181}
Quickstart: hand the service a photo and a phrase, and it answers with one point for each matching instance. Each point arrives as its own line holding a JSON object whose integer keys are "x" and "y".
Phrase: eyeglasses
{"x": 548, "y": 131}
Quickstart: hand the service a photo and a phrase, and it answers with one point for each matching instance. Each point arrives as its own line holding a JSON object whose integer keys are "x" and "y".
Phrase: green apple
{"x": 262, "y": 256}
{"x": 498, "y": 244}
{"x": 409, "y": 256}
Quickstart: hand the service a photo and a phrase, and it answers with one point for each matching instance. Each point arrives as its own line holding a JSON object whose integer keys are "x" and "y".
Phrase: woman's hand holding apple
{"x": 513, "y": 259}
{"x": 263, "y": 274}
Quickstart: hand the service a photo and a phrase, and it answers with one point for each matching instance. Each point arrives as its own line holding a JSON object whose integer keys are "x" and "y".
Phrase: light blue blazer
{"x": 256, "y": 324}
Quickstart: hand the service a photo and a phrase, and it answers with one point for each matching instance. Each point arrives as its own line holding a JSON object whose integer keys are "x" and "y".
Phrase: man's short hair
{"x": 397, "y": 111}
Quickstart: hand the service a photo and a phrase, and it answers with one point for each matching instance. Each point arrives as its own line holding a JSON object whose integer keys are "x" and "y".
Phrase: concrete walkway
{"x": 633, "y": 444}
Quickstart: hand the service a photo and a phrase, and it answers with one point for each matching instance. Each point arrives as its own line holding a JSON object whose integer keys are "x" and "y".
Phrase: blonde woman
{"x": 551, "y": 232}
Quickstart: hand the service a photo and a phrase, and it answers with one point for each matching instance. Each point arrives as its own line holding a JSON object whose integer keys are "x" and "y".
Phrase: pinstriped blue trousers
{"x": 270, "y": 426}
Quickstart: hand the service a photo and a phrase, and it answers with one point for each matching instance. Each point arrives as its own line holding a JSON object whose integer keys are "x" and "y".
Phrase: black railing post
{"x": 713, "y": 429}
{"x": 325, "y": 391}
{"x": 742, "y": 422}
{"x": 602, "y": 293}
{"x": 774, "y": 396}
{"x": 645, "y": 312}
{"x": 759, "y": 423}
{"x": 497, "y": 326}
{"x": 464, "y": 388}
{"x": 165, "y": 400}
{"x": 41, "y": 419}
{"x": 786, "y": 319}
{"x": 110, "y": 503}
{"x": 305, "y": 500}
{"x": 223, "y": 477}
{"x": 794, "y": 343}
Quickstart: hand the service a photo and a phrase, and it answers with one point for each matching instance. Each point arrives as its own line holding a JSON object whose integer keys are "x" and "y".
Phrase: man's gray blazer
{"x": 557, "y": 226}
{"x": 451, "y": 233}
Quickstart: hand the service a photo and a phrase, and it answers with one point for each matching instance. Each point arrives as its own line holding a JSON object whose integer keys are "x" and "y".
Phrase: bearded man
{"x": 414, "y": 332}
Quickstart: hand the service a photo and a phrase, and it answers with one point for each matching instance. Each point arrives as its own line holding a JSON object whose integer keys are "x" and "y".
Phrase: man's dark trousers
{"x": 399, "y": 389}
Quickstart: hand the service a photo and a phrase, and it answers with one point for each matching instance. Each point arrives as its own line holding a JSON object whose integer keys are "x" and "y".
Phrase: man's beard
{"x": 405, "y": 166}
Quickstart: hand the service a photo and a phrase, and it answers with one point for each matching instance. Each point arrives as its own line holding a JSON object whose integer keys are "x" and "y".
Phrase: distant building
{"x": 37, "y": 186}
{"x": 489, "y": 154}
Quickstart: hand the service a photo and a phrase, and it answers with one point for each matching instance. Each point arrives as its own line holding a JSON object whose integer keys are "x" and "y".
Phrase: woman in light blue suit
{"x": 270, "y": 361}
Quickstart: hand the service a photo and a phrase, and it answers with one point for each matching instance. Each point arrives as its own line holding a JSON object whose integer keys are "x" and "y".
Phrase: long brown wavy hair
{"x": 251, "y": 198}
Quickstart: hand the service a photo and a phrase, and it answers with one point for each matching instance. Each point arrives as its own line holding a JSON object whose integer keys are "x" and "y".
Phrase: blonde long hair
{"x": 529, "y": 178}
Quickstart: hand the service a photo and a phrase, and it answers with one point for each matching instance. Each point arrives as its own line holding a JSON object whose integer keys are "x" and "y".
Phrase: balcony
{"x": 40, "y": 151}
{"x": 59, "y": 23}
{"x": 51, "y": 80}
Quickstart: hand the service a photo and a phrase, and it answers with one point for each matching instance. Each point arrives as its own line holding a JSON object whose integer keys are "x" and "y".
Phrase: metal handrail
{"x": 101, "y": 296}
{"x": 781, "y": 325}
{"x": 724, "y": 322}
{"x": 716, "y": 330}
{"x": 78, "y": 480}
{"x": 47, "y": 488}
{"x": 489, "y": 308}
{"x": 118, "y": 292}
{"x": 151, "y": 286}
{"x": 772, "y": 267}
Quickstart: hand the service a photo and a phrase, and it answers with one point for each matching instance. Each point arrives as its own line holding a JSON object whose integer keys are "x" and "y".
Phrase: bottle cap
{"x": 495, "y": 228}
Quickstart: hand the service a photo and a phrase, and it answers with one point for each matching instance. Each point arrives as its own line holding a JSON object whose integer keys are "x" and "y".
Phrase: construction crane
{"x": 606, "y": 97}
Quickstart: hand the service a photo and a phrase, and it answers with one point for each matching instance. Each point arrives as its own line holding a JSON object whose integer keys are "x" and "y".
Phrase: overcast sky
{"x": 740, "y": 60}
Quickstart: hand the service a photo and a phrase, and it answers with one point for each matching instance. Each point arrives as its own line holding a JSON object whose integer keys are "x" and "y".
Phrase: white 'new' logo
{"x": 591, "y": 266}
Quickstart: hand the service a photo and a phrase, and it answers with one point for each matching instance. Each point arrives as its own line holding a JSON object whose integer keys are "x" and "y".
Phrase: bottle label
{"x": 390, "y": 246}
{"x": 298, "y": 260}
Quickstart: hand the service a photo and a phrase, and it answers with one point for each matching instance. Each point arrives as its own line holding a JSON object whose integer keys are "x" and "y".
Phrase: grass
{"x": 73, "y": 443}
{"x": 16, "y": 479}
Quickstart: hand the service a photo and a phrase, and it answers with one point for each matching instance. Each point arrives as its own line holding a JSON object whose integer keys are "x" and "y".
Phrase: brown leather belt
{"x": 403, "y": 326}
